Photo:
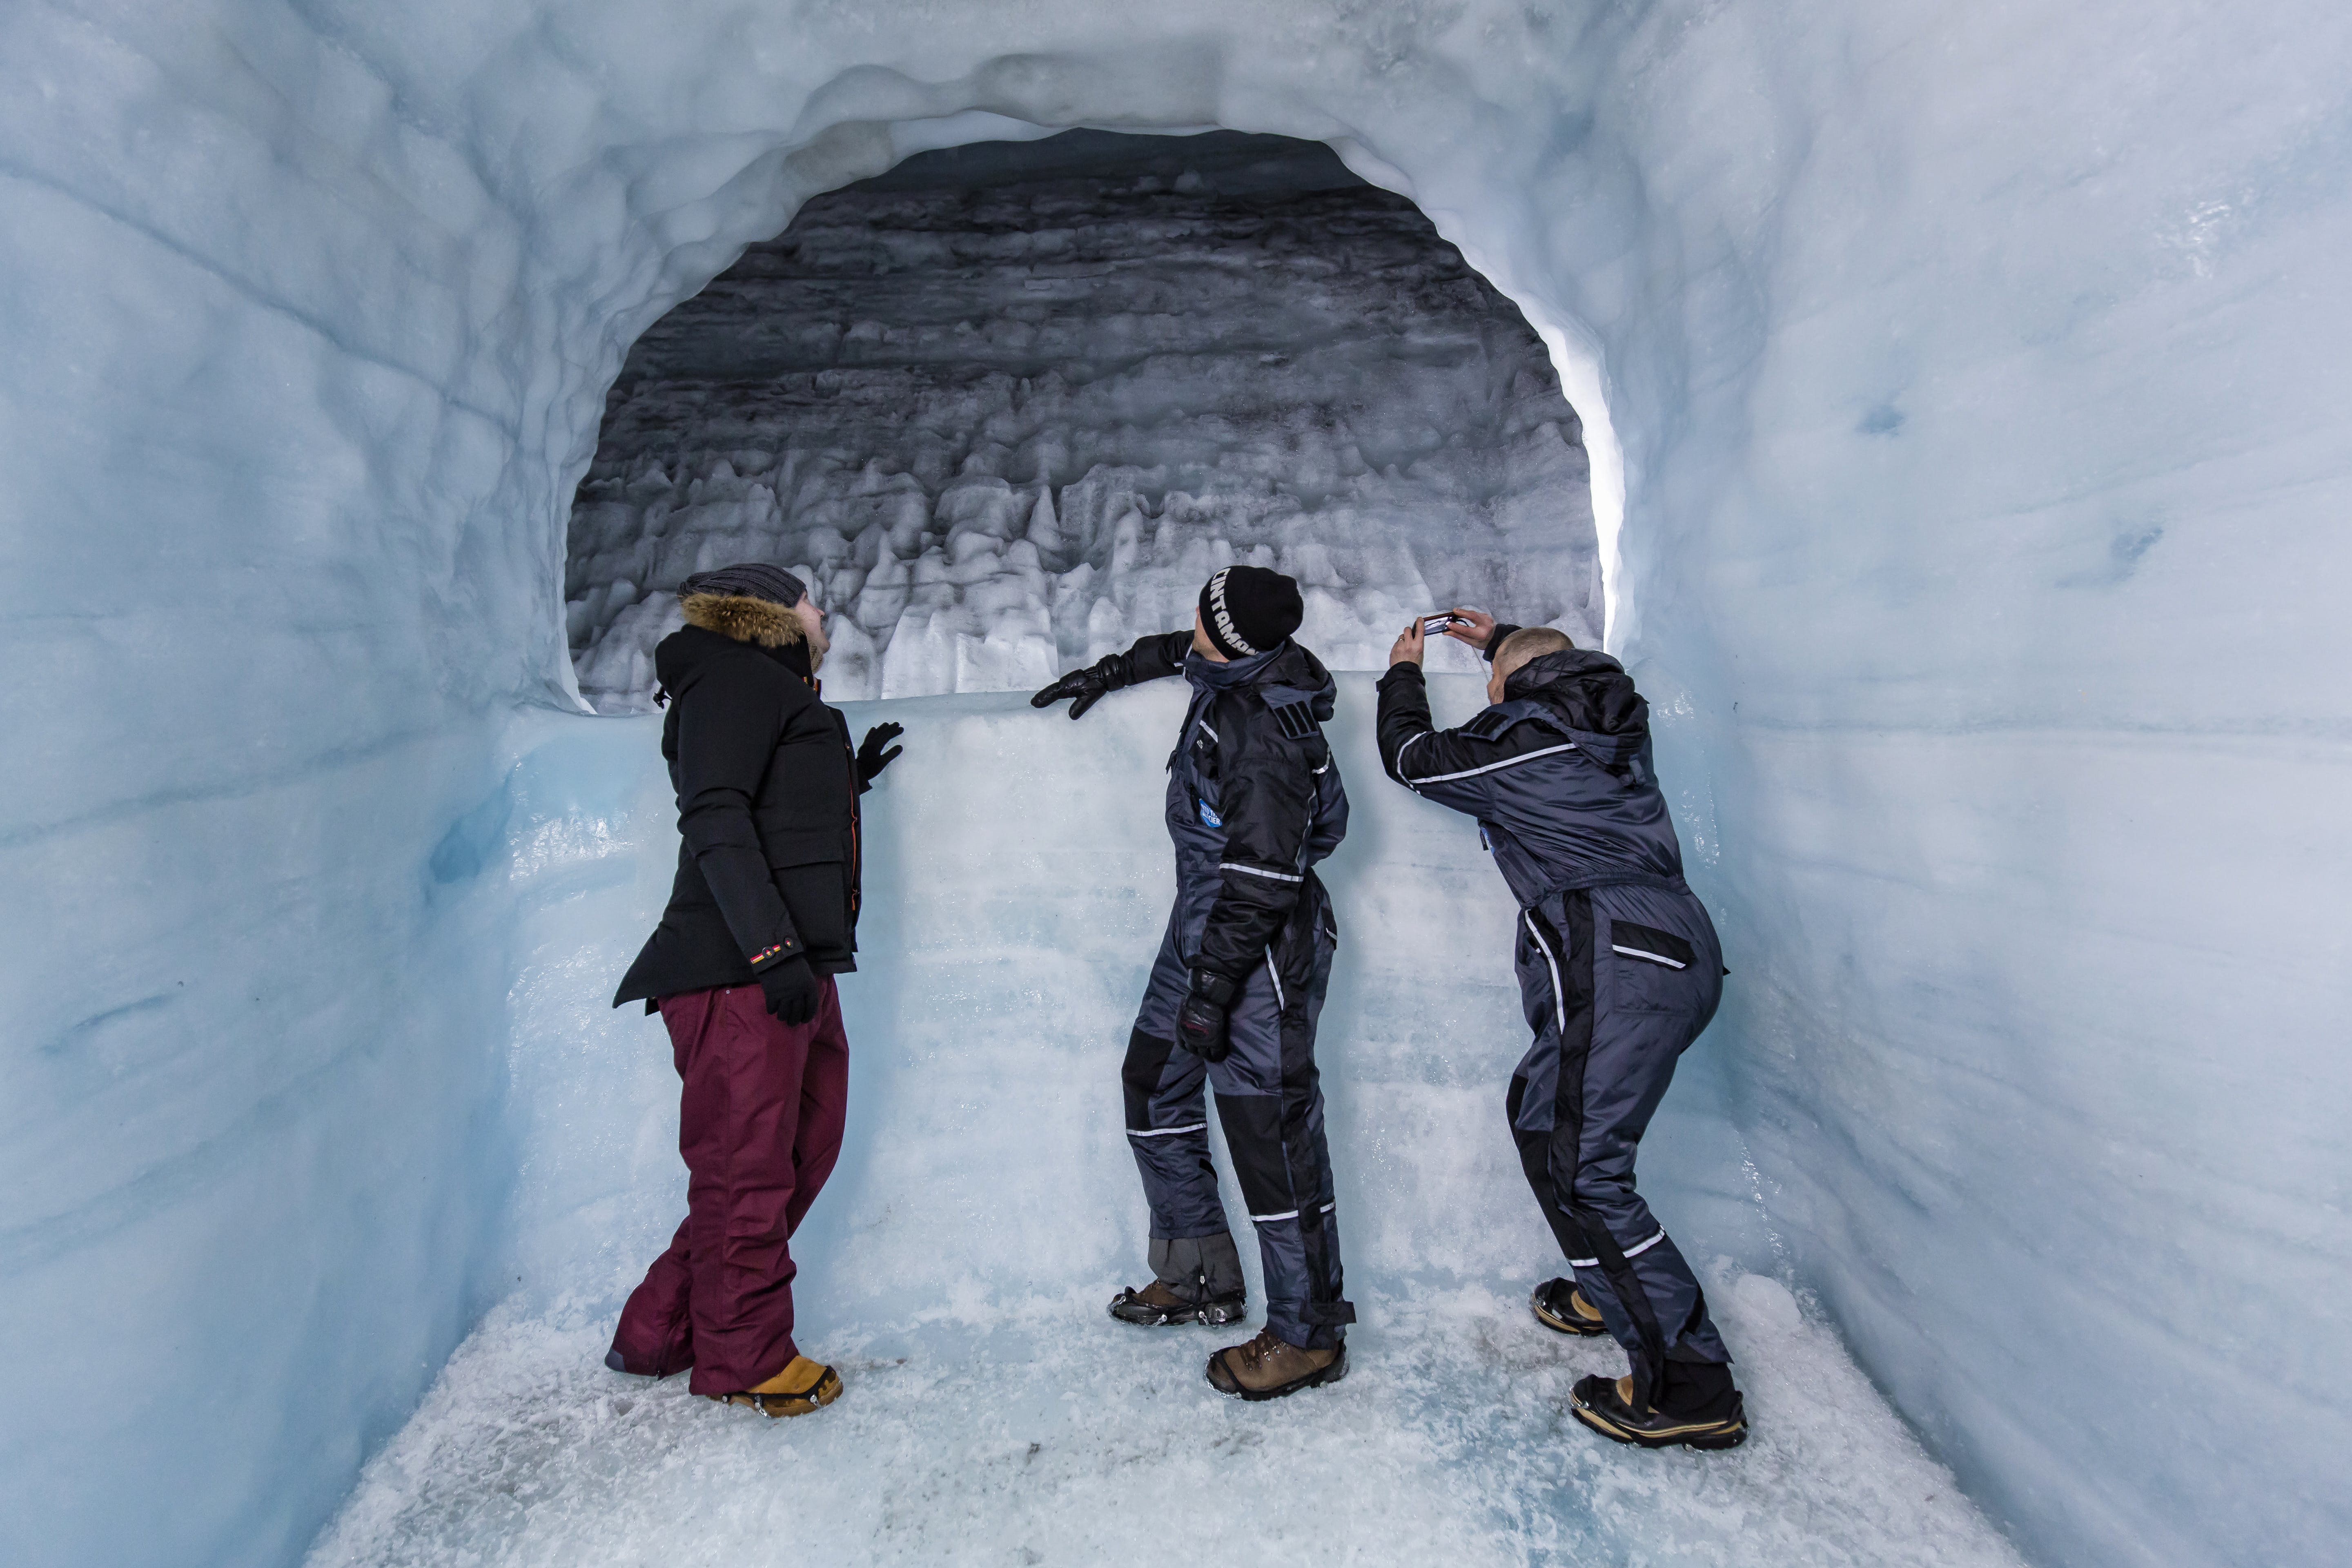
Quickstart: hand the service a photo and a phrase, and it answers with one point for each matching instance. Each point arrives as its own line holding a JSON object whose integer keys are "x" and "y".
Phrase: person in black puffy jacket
{"x": 1254, "y": 802}
{"x": 1619, "y": 971}
{"x": 763, "y": 915}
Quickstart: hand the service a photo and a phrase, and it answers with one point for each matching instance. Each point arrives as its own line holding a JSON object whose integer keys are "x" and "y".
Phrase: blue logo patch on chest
{"x": 1210, "y": 818}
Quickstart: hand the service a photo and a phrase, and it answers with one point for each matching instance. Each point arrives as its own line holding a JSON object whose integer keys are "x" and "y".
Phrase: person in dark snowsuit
{"x": 1619, "y": 971}
{"x": 762, "y": 916}
{"x": 1254, "y": 802}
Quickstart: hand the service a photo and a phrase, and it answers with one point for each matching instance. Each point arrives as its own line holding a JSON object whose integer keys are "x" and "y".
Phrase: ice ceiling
{"x": 1965, "y": 397}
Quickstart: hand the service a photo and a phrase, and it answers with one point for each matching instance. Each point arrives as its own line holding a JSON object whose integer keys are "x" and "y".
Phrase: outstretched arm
{"x": 1456, "y": 768}
{"x": 1151, "y": 658}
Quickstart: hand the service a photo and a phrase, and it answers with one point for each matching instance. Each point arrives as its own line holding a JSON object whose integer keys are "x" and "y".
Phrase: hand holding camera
{"x": 1471, "y": 627}
{"x": 1476, "y": 627}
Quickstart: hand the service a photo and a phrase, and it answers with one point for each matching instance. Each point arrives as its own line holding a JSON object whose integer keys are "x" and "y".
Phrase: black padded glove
{"x": 871, "y": 758}
{"x": 1201, "y": 1016}
{"x": 791, "y": 990}
{"x": 1086, "y": 687}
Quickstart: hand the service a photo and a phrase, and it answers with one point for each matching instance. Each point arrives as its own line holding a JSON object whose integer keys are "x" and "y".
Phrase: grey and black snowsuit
{"x": 1254, "y": 803}
{"x": 1618, "y": 964}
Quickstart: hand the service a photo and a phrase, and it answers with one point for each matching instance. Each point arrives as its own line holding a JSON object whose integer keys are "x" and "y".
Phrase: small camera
{"x": 1432, "y": 625}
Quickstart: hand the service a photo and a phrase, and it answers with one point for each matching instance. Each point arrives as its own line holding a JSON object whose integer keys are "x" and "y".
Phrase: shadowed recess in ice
{"x": 1006, "y": 405}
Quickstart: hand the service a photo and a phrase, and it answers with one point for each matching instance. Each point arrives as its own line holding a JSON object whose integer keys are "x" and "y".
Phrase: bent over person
{"x": 1619, "y": 971}
{"x": 1254, "y": 803}
{"x": 762, "y": 916}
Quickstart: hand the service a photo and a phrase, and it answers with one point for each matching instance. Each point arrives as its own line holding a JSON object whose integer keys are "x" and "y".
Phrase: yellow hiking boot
{"x": 1717, "y": 1420}
{"x": 1560, "y": 1307}
{"x": 804, "y": 1386}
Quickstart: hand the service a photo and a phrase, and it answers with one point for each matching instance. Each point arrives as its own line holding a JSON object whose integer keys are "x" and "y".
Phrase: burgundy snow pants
{"x": 759, "y": 1125}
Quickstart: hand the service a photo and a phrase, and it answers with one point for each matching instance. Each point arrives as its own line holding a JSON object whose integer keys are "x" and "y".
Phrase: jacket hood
{"x": 743, "y": 618}
{"x": 1592, "y": 695}
{"x": 1285, "y": 664}
{"x": 718, "y": 624}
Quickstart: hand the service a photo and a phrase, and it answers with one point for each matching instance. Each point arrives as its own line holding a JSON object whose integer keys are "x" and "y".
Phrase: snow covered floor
{"x": 1056, "y": 1436}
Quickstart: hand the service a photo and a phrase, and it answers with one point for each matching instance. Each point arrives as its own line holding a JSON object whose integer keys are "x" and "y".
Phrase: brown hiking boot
{"x": 1268, "y": 1368}
{"x": 1561, "y": 1307}
{"x": 1157, "y": 1305}
{"x": 801, "y": 1387}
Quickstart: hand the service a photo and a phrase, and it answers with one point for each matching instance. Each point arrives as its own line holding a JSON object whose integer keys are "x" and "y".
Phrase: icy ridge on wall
{"x": 1008, "y": 404}
{"x": 1974, "y": 415}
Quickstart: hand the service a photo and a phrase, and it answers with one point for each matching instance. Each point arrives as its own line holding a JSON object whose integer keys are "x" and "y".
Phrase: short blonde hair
{"x": 1529, "y": 643}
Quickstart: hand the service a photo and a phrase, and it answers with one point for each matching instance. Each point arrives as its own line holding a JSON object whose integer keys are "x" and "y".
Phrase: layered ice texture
{"x": 1006, "y": 405}
{"x": 1964, "y": 398}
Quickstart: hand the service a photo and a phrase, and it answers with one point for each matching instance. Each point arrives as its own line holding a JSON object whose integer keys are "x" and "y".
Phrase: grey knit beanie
{"x": 752, "y": 580}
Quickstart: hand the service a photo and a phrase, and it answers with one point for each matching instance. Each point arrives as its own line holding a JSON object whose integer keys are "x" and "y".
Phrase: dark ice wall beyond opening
{"x": 1006, "y": 404}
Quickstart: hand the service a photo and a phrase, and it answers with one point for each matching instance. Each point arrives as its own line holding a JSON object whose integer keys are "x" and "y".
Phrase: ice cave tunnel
{"x": 1958, "y": 457}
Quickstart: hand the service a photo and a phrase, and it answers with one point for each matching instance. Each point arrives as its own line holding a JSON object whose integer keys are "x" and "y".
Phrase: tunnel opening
{"x": 1005, "y": 405}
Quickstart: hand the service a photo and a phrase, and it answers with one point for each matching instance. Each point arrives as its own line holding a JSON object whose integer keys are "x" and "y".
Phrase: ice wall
{"x": 998, "y": 980}
{"x": 1972, "y": 409}
{"x": 1006, "y": 405}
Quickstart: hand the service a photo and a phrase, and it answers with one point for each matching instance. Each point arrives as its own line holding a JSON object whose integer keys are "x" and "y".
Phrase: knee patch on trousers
{"x": 1138, "y": 1076}
{"x": 1253, "y": 1134}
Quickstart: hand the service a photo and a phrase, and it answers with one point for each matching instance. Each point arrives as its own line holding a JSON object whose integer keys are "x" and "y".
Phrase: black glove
{"x": 871, "y": 758}
{"x": 791, "y": 989}
{"x": 1201, "y": 1016}
{"x": 1087, "y": 685}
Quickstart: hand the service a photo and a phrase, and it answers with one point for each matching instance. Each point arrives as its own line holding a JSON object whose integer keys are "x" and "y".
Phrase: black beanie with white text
{"x": 1248, "y": 609}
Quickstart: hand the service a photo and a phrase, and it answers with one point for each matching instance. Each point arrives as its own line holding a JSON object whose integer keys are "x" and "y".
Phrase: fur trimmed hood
{"x": 743, "y": 618}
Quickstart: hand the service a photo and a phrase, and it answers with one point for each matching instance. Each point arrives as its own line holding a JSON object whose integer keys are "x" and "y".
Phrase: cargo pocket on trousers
{"x": 1654, "y": 970}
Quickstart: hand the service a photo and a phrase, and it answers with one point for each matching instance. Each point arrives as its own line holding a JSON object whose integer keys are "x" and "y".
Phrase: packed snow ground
{"x": 986, "y": 1207}
{"x": 1006, "y": 405}
{"x": 1040, "y": 1431}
